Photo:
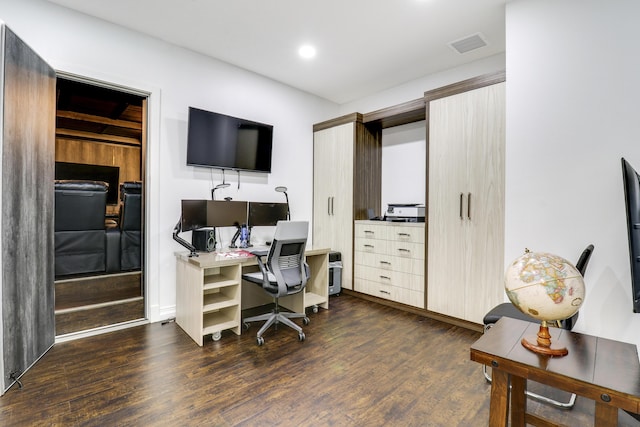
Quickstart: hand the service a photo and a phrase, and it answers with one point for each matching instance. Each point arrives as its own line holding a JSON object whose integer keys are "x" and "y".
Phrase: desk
{"x": 603, "y": 370}
{"x": 210, "y": 294}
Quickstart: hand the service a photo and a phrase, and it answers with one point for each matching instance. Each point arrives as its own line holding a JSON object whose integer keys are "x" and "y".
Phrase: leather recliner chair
{"x": 79, "y": 235}
{"x": 131, "y": 226}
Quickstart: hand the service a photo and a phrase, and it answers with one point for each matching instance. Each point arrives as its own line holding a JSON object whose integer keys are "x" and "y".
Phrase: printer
{"x": 405, "y": 212}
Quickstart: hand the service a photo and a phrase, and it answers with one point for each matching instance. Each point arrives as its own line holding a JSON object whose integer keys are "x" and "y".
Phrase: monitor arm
{"x": 176, "y": 230}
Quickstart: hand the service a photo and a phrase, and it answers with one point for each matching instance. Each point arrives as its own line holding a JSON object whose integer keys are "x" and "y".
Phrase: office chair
{"x": 285, "y": 273}
{"x": 509, "y": 310}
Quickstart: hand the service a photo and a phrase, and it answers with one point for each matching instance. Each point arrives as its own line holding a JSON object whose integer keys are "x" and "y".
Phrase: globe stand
{"x": 543, "y": 343}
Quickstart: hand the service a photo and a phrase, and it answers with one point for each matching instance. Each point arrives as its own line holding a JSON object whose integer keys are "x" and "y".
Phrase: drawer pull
{"x": 404, "y": 234}
{"x": 385, "y": 277}
{"x": 385, "y": 262}
{"x": 369, "y": 231}
{"x": 369, "y": 246}
{"x": 403, "y": 250}
{"x": 385, "y": 292}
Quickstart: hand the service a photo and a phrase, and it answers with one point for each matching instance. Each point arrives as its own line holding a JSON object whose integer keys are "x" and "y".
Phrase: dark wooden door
{"x": 27, "y": 149}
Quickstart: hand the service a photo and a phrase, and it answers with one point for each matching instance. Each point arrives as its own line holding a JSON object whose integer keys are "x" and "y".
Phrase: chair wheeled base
{"x": 274, "y": 318}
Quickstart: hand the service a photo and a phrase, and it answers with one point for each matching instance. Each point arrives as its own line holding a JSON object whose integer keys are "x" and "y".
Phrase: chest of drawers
{"x": 389, "y": 261}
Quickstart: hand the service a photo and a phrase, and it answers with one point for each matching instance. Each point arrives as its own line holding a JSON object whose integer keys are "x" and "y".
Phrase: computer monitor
{"x": 222, "y": 213}
{"x": 266, "y": 214}
{"x": 194, "y": 214}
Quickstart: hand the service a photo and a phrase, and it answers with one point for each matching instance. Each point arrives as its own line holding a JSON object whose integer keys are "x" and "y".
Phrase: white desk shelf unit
{"x": 209, "y": 292}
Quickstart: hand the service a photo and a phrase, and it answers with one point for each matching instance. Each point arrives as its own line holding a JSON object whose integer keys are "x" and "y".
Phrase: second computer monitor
{"x": 226, "y": 213}
{"x": 266, "y": 214}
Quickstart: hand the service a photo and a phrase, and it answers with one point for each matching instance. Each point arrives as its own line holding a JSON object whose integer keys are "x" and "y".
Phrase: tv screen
{"x": 219, "y": 141}
{"x": 85, "y": 172}
{"x": 631, "y": 183}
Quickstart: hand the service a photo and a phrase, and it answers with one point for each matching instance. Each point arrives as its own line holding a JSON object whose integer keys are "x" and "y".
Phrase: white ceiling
{"x": 364, "y": 46}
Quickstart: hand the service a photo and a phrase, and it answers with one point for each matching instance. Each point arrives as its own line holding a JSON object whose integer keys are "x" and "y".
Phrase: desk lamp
{"x": 281, "y": 189}
{"x": 213, "y": 191}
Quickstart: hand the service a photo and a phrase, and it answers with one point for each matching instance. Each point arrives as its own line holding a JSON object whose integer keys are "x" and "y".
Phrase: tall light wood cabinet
{"x": 466, "y": 144}
{"x": 346, "y": 182}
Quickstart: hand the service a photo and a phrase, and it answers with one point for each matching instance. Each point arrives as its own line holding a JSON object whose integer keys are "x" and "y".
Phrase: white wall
{"x": 404, "y": 164}
{"x": 176, "y": 79}
{"x": 572, "y": 113}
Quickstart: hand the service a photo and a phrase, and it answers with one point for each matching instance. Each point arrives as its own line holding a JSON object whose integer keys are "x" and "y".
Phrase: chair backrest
{"x": 131, "y": 225}
{"x": 581, "y": 266}
{"x": 80, "y": 205}
{"x": 286, "y": 256}
{"x": 131, "y": 215}
{"x": 583, "y": 261}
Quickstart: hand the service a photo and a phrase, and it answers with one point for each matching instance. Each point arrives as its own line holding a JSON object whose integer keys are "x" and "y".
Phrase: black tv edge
{"x": 224, "y": 142}
{"x": 631, "y": 181}
{"x": 86, "y": 172}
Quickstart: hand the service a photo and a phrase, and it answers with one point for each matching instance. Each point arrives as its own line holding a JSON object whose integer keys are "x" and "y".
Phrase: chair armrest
{"x": 263, "y": 270}
{"x": 260, "y": 252}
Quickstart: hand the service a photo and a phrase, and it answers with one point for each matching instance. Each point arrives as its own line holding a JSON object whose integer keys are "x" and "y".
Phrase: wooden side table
{"x": 600, "y": 369}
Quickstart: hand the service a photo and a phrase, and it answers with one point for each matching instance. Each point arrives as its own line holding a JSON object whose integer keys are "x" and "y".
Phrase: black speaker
{"x": 204, "y": 239}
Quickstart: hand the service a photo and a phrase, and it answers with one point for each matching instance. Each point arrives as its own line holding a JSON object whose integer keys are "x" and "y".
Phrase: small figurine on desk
{"x": 244, "y": 233}
{"x": 244, "y": 236}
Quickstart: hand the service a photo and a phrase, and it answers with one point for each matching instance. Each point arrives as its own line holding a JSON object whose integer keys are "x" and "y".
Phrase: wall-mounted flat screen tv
{"x": 218, "y": 141}
{"x": 631, "y": 183}
{"x": 85, "y": 172}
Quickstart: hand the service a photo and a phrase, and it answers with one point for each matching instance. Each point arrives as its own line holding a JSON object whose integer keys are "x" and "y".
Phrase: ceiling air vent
{"x": 468, "y": 43}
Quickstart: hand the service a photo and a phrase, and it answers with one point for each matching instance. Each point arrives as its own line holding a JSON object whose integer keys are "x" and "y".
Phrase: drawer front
{"x": 394, "y": 278}
{"x": 392, "y": 248}
{"x": 371, "y": 231}
{"x": 375, "y": 246}
{"x": 365, "y": 260}
{"x": 372, "y": 288}
{"x": 400, "y": 233}
{"x": 409, "y": 297}
{"x": 389, "y": 292}
{"x": 406, "y": 250}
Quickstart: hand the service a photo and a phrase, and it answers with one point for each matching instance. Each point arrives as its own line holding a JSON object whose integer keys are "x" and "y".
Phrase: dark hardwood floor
{"x": 362, "y": 364}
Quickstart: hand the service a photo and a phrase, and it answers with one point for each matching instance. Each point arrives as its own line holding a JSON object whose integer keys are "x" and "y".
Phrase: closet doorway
{"x": 101, "y": 132}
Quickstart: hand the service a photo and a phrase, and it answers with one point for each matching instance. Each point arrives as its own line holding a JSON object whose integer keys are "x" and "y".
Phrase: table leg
{"x": 499, "y": 406}
{"x": 518, "y": 401}
{"x": 606, "y": 415}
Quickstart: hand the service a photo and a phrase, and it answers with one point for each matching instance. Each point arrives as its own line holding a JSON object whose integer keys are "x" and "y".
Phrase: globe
{"x": 547, "y": 287}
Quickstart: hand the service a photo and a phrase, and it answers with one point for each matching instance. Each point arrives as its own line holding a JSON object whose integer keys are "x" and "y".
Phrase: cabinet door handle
{"x": 332, "y": 205}
{"x": 461, "y": 197}
{"x": 328, "y": 205}
{"x": 469, "y": 206}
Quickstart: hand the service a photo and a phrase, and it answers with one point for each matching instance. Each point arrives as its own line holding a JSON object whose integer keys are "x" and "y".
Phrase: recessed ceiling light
{"x": 307, "y": 51}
